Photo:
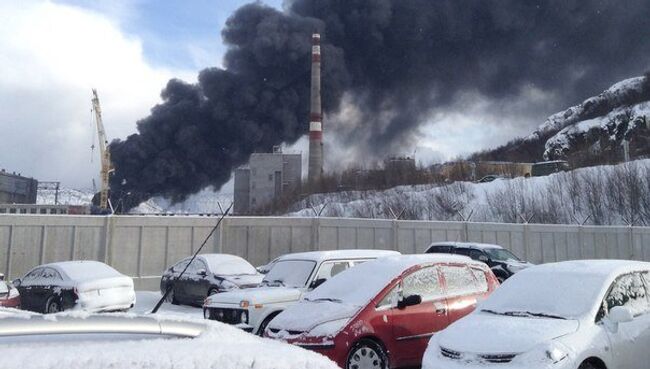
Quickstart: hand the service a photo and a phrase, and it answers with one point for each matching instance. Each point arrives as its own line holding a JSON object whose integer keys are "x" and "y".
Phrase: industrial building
{"x": 16, "y": 189}
{"x": 267, "y": 176}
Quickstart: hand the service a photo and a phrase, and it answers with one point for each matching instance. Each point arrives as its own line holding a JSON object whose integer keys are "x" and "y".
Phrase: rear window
{"x": 460, "y": 280}
{"x": 439, "y": 250}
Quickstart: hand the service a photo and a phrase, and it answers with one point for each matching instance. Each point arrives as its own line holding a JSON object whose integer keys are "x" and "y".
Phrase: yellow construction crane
{"x": 107, "y": 166}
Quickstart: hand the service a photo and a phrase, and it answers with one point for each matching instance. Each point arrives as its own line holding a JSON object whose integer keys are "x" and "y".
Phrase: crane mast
{"x": 106, "y": 166}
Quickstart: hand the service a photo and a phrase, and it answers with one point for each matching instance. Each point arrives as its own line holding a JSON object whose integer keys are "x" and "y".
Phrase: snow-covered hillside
{"x": 616, "y": 114}
{"x": 605, "y": 195}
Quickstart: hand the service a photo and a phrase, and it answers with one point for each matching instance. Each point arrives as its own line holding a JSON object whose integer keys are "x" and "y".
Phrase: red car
{"x": 9, "y": 296}
{"x": 382, "y": 313}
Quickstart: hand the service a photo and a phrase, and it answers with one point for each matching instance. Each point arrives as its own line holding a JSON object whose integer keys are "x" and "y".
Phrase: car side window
{"x": 463, "y": 251}
{"x": 440, "y": 250}
{"x": 424, "y": 282}
{"x": 181, "y": 265}
{"x": 196, "y": 265}
{"x": 628, "y": 290}
{"x": 392, "y": 297}
{"x": 51, "y": 274}
{"x": 481, "y": 279}
{"x": 460, "y": 280}
{"x": 33, "y": 275}
{"x": 329, "y": 269}
{"x": 475, "y": 254}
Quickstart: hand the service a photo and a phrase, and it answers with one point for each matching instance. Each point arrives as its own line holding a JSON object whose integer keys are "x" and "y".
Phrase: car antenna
{"x": 170, "y": 286}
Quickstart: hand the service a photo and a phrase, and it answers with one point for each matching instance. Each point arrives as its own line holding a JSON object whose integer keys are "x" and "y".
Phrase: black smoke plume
{"x": 396, "y": 60}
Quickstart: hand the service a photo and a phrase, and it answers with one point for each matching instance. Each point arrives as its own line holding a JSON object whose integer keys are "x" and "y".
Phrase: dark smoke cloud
{"x": 397, "y": 61}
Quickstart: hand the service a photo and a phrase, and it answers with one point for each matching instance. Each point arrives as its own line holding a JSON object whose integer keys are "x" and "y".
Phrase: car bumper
{"x": 10, "y": 303}
{"x": 440, "y": 362}
{"x": 327, "y": 350}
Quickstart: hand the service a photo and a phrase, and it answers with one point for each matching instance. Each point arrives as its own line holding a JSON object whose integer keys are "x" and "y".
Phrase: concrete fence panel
{"x": 143, "y": 247}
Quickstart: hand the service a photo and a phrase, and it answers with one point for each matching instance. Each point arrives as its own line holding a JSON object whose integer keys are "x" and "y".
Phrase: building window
{"x": 3, "y": 210}
{"x": 12, "y": 211}
{"x": 23, "y": 211}
{"x": 270, "y": 177}
{"x": 253, "y": 185}
{"x": 43, "y": 211}
{"x": 254, "y": 201}
{"x": 32, "y": 211}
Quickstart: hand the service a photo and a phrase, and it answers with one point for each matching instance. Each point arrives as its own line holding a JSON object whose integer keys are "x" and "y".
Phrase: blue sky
{"x": 180, "y": 34}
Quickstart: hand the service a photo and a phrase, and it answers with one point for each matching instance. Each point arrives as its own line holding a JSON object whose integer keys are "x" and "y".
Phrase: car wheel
{"x": 587, "y": 365}
{"x": 367, "y": 354}
{"x": 265, "y": 323}
{"x": 52, "y": 306}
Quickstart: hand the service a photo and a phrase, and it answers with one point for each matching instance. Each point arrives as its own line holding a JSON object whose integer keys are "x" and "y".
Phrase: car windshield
{"x": 501, "y": 255}
{"x": 543, "y": 294}
{"x": 289, "y": 273}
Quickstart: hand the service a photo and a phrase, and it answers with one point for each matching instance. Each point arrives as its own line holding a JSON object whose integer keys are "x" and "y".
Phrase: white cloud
{"x": 52, "y": 56}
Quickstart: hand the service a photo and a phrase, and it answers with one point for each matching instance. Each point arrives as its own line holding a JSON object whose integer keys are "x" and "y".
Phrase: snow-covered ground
{"x": 606, "y": 194}
{"x": 219, "y": 347}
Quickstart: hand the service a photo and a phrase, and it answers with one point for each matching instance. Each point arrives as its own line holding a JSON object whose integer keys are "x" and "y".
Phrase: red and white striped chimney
{"x": 315, "y": 116}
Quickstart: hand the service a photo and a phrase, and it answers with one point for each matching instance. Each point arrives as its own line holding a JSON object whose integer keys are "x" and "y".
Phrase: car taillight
{"x": 13, "y": 292}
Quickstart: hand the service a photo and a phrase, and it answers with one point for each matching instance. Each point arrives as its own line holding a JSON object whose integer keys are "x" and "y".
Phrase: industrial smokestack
{"x": 316, "y": 115}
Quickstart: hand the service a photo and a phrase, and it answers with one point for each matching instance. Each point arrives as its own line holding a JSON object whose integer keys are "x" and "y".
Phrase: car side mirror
{"x": 16, "y": 282}
{"x": 317, "y": 282}
{"x": 620, "y": 314}
{"x": 483, "y": 258}
{"x": 202, "y": 273}
{"x": 409, "y": 301}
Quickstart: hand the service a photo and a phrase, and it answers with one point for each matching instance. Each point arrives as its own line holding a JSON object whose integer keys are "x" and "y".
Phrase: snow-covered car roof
{"x": 375, "y": 275}
{"x": 218, "y": 346}
{"x": 319, "y": 256}
{"x": 471, "y": 245}
{"x": 569, "y": 289}
{"x": 82, "y": 270}
{"x": 226, "y": 264}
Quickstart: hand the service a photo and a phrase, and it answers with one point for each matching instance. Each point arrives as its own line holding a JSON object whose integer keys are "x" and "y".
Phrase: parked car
{"x": 93, "y": 341}
{"x": 287, "y": 280}
{"x": 87, "y": 285}
{"x": 9, "y": 295}
{"x": 503, "y": 262}
{"x": 568, "y": 315}
{"x": 549, "y": 167}
{"x": 208, "y": 274}
{"x": 382, "y": 313}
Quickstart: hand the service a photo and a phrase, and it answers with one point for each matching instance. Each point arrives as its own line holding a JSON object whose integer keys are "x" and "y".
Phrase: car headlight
{"x": 549, "y": 353}
{"x": 328, "y": 329}
{"x": 13, "y": 292}
{"x": 556, "y": 354}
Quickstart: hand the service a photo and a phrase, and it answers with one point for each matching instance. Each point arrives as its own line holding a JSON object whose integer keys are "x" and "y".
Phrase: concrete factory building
{"x": 16, "y": 189}
{"x": 267, "y": 176}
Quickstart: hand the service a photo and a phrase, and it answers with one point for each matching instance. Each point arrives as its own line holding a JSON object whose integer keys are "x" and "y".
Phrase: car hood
{"x": 260, "y": 295}
{"x": 306, "y": 315}
{"x": 244, "y": 280}
{"x": 484, "y": 333}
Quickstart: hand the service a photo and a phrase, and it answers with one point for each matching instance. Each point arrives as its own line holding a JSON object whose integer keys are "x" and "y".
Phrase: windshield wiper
{"x": 326, "y": 299}
{"x": 525, "y": 314}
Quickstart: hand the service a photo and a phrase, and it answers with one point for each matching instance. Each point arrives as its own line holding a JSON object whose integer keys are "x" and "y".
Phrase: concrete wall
{"x": 143, "y": 247}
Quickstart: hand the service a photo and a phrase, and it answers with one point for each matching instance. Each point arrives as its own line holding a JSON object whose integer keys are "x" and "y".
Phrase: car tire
{"x": 367, "y": 354}
{"x": 52, "y": 306}
{"x": 265, "y": 323}
{"x": 587, "y": 365}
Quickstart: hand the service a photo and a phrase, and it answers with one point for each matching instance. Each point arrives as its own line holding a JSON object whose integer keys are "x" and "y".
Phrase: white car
{"x": 87, "y": 285}
{"x": 592, "y": 314}
{"x": 288, "y": 279}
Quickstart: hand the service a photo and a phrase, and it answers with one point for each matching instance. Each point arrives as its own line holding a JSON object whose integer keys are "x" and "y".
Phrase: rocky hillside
{"x": 590, "y": 132}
